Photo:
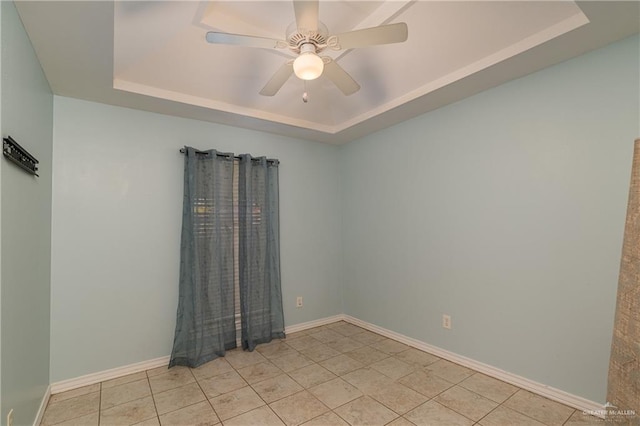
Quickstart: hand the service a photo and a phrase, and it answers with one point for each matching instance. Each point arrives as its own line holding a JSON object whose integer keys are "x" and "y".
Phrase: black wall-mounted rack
{"x": 18, "y": 155}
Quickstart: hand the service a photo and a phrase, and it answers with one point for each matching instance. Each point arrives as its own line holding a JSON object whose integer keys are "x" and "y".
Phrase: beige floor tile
{"x": 449, "y": 371}
{"x": 416, "y": 357}
{"x": 237, "y": 402}
{"x": 398, "y": 398}
{"x": 305, "y": 342}
{"x": 348, "y": 329}
{"x": 432, "y": 413}
{"x": 298, "y": 334}
{"x": 392, "y": 367}
{"x": 319, "y": 352}
{"x": 117, "y": 395}
{"x": 400, "y": 421}
{"x": 502, "y": 416}
{"x": 374, "y": 374}
{"x": 489, "y": 387}
{"x": 212, "y": 368}
{"x": 88, "y": 420}
{"x": 75, "y": 392}
{"x": 542, "y": 409}
{"x": 276, "y": 350}
{"x": 327, "y": 419}
{"x": 153, "y": 421}
{"x": 389, "y": 346}
{"x": 346, "y": 344}
{"x": 367, "y": 337}
{"x": 177, "y": 398}
{"x": 367, "y": 380}
{"x": 578, "y": 418}
{"x": 322, "y": 327}
{"x": 335, "y": 392}
{"x": 276, "y": 388}
{"x": 258, "y": 372}
{"x": 341, "y": 364}
{"x": 200, "y": 414}
{"x": 312, "y": 375}
{"x": 173, "y": 378}
{"x": 298, "y": 408}
{"x": 465, "y": 402}
{"x": 58, "y": 412}
{"x": 273, "y": 342}
{"x": 425, "y": 383}
{"x": 128, "y": 413}
{"x": 224, "y": 383}
{"x": 163, "y": 369}
{"x": 262, "y": 416}
{"x": 239, "y": 358}
{"x": 367, "y": 355}
{"x": 291, "y": 362}
{"x": 125, "y": 379}
{"x": 326, "y": 336}
{"x": 365, "y": 411}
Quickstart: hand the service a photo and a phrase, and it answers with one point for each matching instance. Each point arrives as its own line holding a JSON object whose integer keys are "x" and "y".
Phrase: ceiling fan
{"x": 306, "y": 38}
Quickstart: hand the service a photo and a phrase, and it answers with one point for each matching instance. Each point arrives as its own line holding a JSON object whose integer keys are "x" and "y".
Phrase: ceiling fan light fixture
{"x": 308, "y": 66}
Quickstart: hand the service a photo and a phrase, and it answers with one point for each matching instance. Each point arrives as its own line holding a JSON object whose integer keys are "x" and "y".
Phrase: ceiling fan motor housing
{"x": 298, "y": 37}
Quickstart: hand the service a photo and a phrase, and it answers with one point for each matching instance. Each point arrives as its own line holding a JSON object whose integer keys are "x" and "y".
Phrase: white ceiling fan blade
{"x": 384, "y": 34}
{"x": 340, "y": 77}
{"x": 306, "y": 14}
{"x": 245, "y": 40}
{"x": 278, "y": 80}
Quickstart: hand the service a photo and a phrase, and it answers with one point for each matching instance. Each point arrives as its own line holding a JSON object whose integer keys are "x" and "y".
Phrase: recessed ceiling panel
{"x": 163, "y": 53}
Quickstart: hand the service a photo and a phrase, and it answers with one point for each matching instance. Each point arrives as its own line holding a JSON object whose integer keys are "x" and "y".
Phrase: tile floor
{"x": 337, "y": 374}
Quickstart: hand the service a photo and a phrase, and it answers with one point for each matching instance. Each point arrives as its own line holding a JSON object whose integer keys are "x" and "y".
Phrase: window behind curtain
{"x": 230, "y": 257}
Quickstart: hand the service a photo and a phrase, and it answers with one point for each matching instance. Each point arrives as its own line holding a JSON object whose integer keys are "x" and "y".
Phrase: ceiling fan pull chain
{"x": 305, "y": 95}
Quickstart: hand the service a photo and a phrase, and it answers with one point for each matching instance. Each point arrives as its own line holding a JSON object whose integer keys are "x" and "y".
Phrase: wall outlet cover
{"x": 446, "y": 321}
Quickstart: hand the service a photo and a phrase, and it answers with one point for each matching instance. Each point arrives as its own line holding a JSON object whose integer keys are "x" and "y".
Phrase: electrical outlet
{"x": 10, "y": 418}
{"x": 446, "y": 321}
{"x": 299, "y": 302}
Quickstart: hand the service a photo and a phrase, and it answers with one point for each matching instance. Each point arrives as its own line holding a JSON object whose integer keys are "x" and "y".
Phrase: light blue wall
{"x": 506, "y": 211}
{"x": 26, "y": 115}
{"x": 118, "y": 183}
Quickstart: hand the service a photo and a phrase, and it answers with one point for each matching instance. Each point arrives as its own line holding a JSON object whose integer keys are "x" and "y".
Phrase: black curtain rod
{"x": 237, "y": 157}
{"x": 182, "y": 151}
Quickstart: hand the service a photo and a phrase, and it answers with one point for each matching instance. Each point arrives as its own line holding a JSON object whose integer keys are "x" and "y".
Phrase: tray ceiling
{"x": 153, "y": 55}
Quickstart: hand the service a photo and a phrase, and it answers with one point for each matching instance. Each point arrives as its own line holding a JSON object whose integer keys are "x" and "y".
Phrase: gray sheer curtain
{"x": 259, "y": 252}
{"x": 205, "y": 325}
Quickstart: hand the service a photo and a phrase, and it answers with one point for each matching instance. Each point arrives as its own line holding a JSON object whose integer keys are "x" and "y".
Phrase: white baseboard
{"x": 43, "y": 406}
{"x": 315, "y": 323}
{"x": 522, "y": 382}
{"x": 113, "y": 373}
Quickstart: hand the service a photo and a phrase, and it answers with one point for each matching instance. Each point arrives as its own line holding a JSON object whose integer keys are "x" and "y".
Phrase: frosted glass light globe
{"x": 308, "y": 66}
